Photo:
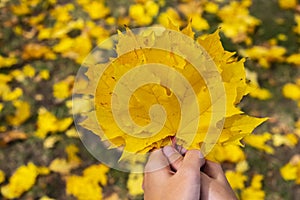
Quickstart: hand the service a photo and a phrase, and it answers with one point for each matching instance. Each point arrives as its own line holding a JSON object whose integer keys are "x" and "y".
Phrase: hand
{"x": 214, "y": 184}
{"x": 170, "y": 176}
{"x": 175, "y": 180}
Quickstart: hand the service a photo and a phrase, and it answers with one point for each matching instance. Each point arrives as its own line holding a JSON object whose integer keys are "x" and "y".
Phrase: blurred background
{"x": 42, "y": 45}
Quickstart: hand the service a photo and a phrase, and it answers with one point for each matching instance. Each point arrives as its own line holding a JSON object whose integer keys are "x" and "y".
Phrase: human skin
{"x": 171, "y": 176}
{"x": 214, "y": 184}
{"x": 167, "y": 184}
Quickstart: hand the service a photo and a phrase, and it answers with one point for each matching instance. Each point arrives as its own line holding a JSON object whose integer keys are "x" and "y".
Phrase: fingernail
{"x": 169, "y": 151}
{"x": 201, "y": 155}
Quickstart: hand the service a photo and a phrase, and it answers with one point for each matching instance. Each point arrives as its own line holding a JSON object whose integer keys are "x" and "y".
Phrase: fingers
{"x": 215, "y": 189}
{"x": 206, "y": 181}
{"x": 214, "y": 170}
{"x": 181, "y": 149}
{"x": 173, "y": 156}
{"x": 156, "y": 170}
{"x": 205, "y": 184}
{"x": 156, "y": 161}
{"x": 193, "y": 160}
{"x": 190, "y": 172}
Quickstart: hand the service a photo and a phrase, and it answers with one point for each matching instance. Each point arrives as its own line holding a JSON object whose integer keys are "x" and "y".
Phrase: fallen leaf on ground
{"x": 11, "y": 136}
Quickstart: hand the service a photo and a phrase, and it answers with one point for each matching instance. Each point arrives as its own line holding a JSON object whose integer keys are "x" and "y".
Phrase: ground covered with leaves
{"x": 43, "y": 44}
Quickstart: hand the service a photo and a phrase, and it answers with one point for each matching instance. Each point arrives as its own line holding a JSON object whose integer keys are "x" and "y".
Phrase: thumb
{"x": 193, "y": 160}
{"x": 173, "y": 156}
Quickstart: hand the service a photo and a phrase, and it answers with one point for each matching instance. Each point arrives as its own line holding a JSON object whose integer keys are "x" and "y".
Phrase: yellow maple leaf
{"x": 72, "y": 151}
{"x": 44, "y": 74}
{"x": 154, "y": 112}
{"x": 237, "y": 22}
{"x": 48, "y": 123}
{"x": 43, "y": 170}
{"x": 289, "y": 171}
{"x": 265, "y": 55}
{"x": 93, "y": 9}
{"x": 260, "y": 93}
{"x": 35, "y": 20}
{"x": 50, "y": 141}
{"x": 61, "y": 12}
{"x": 211, "y": 7}
{"x": 4, "y": 78}
{"x": 169, "y": 14}
{"x": 29, "y": 71}
{"x": 143, "y": 14}
{"x": 22, "y": 113}
{"x": 96, "y": 173}
{"x": 21, "y": 9}
{"x": 291, "y": 91}
{"x": 7, "y": 61}
{"x": 22, "y": 180}
{"x": 37, "y": 51}
{"x": 199, "y": 23}
{"x": 92, "y": 177}
{"x": 98, "y": 32}
{"x": 72, "y": 133}
{"x": 242, "y": 166}
{"x": 194, "y": 10}
{"x": 236, "y": 179}
{"x": 294, "y": 59}
{"x": 75, "y": 185}
{"x": 10, "y": 95}
{"x": 62, "y": 166}
{"x": 74, "y": 48}
{"x": 254, "y": 191}
{"x": 231, "y": 153}
{"x": 289, "y": 140}
{"x": 259, "y": 141}
{"x": 255, "y": 90}
{"x": 18, "y": 75}
{"x": 63, "y": 88}
{"x": 239, "y": 126}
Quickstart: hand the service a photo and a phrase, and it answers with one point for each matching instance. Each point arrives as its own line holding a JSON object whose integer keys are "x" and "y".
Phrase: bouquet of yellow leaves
{"x": 160, "y": 85}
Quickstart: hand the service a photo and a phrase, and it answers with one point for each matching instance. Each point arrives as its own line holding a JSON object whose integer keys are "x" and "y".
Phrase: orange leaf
{"x": 11, "y": 136}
